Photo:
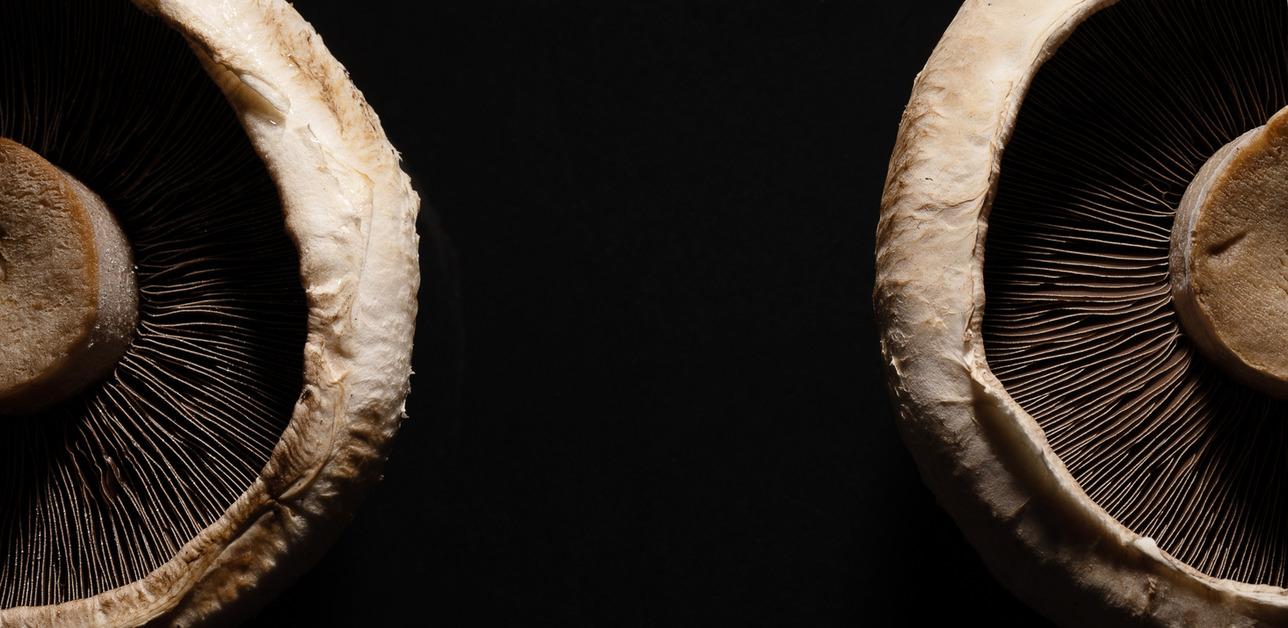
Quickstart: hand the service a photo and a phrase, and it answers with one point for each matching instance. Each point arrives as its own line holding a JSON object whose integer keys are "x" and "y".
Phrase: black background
{"x": 648, "y": 388}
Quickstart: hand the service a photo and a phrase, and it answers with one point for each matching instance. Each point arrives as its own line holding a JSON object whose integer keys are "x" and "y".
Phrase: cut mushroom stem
{"x": 68, "y": 298}
{"x": 1229, "y": 257}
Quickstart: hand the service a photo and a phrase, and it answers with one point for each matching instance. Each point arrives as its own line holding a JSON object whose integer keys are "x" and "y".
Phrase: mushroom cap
{"x": 986, "y": 458}
{"x": 351, "y": 212}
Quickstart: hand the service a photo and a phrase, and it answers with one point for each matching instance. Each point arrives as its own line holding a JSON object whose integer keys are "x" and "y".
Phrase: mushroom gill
{"x": 105, "y": 486}
{"x": 1080, "y": 324}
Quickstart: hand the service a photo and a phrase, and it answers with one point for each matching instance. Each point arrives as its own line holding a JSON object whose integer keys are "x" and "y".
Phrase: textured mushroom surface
{"x": 1079, "y": 321}
{"x": 68, "y": 297}
{"x": 1229, "y": 259}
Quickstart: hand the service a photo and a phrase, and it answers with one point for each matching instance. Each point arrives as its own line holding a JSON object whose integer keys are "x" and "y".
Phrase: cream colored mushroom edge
{"x": 1089, "y": 383}
{"x": 349, "y": 211}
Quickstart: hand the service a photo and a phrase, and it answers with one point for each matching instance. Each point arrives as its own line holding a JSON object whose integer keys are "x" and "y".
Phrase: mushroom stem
{"x": 68, "y": 298}
{"x": 1229, "y": 257}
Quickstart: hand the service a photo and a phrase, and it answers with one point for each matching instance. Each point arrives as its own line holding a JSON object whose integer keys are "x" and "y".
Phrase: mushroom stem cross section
{"x": 1229, "y": 257}
{"x": 68, "y": 296}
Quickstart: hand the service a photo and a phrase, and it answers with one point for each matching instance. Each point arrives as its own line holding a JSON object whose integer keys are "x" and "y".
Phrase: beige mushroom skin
{"x": 351, "y": 212}
{"x": 1229, "y": 258}
{"x": 985, "y": 458}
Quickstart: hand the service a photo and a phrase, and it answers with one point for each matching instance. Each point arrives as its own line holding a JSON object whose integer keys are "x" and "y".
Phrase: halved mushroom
{"x": 1081, "y": 282}
{"x": 208, "y": 279}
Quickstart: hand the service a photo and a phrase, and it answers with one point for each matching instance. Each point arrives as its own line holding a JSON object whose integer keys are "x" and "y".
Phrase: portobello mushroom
{"x": 1080, "y": 283}
{"x": 208, "y": 282}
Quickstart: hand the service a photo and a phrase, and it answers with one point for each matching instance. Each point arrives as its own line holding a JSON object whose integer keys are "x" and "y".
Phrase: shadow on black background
{"x": 657, "y": 399}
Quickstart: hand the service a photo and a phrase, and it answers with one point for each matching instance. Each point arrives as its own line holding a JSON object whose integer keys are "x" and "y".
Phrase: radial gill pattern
{"x": 100, "y": 491}
{"x": 1079, "y": 324}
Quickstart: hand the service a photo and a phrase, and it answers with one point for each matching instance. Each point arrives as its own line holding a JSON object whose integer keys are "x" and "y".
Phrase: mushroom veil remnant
{"x": 1082, "y": 288}
{"x": 208, "y": 282}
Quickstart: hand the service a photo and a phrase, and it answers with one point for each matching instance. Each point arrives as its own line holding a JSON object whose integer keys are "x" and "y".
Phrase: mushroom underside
{"x": 1079, "y": 322}
{"x": 101, "y": 489}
